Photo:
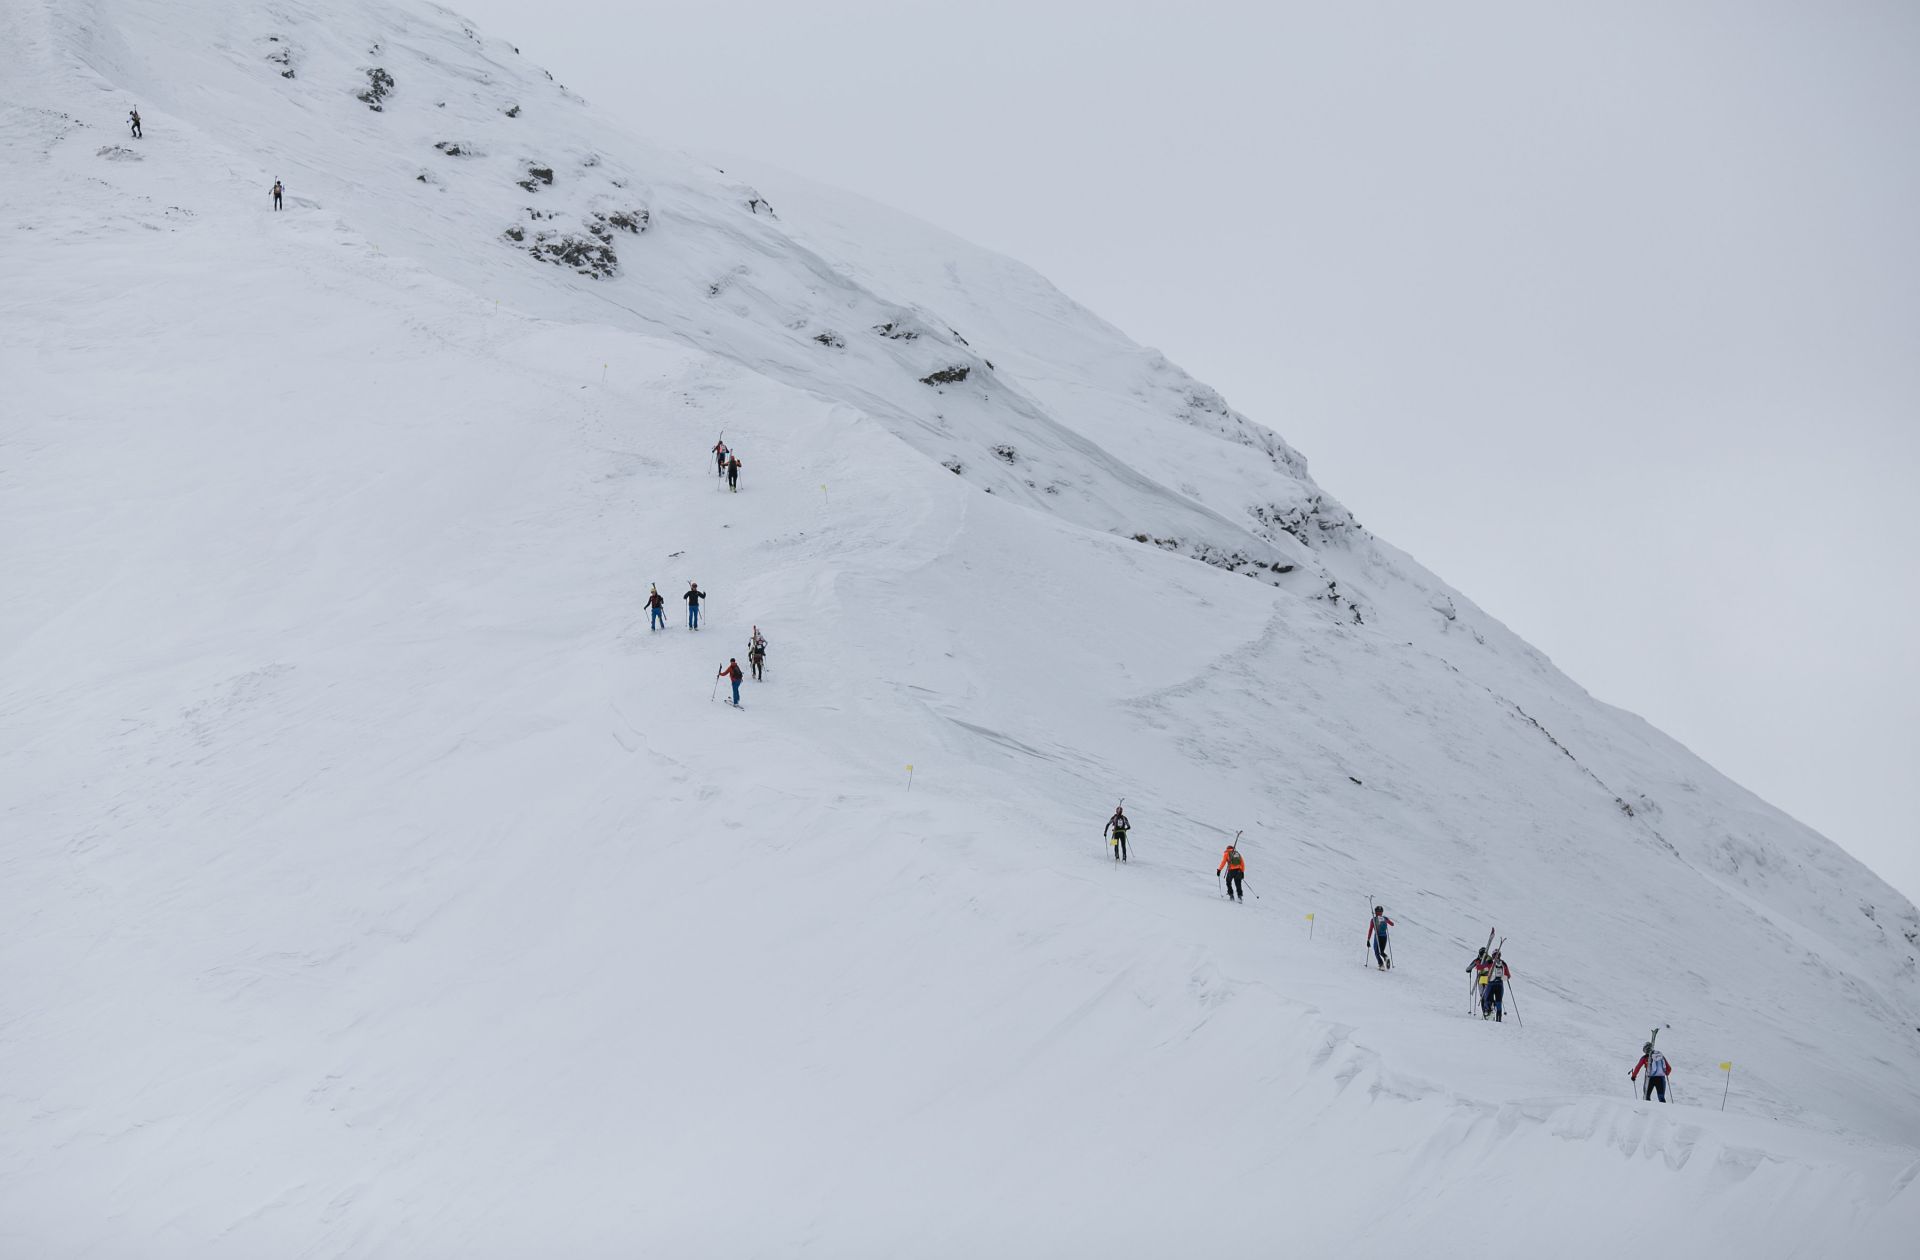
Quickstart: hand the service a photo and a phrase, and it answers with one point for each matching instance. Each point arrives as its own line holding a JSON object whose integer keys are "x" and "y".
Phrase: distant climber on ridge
{"x": 733, "y": 472}
{"x": 1118, "y": 827}
{"x": 1377, "y": 937}
{"x": 277, "y": 190}
{"x": 133, "y": 122}
{"x": 693, "y": 597}
{"x": 720, "y": 458}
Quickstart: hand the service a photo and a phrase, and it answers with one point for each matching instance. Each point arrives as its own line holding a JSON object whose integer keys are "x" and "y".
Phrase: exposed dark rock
{"x": 830, "y": 339}
{"x": 451, "y": 149}
{"x": 379, "y": 87}
{"x": 947, "y": 376}
{"x": 1006, "y": 453}
{"x": 516, "y": 233}
{"x": 952, "y": 465}
{"x": 591, "y": 258}
{"x": 1232, "y": 561}
{"x": 512, "y": 111}
{"x": 634, "y": 221}
{"x": 896, "y": 332}
{"x": 1306, "y": 522}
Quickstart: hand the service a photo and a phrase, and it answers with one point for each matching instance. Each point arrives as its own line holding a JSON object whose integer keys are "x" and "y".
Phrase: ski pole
{"x": 716, "y": 685}
{"x": 1515, "y": 999}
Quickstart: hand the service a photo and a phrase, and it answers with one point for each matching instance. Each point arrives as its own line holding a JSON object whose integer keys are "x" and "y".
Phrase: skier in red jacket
{"x": 733, "y": 675}
{"x": 1657, "y": 1069}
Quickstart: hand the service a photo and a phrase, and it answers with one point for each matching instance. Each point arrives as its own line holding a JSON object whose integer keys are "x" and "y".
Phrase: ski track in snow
{"x": 376, "y": 883}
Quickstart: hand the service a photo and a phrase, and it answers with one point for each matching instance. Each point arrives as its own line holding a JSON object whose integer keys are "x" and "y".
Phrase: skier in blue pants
{"x": 733, "y": 675}
{"x": 656, "y": 610}
{"x": 1377, "y": 937}
{"x": 693, "y": 597}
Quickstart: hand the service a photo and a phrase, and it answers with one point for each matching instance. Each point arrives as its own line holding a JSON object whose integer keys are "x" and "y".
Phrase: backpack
{"x": 1656, "y": 1064}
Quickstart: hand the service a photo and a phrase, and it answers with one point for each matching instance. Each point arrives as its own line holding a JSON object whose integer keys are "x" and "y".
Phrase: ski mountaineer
{"x": 277, "y": 191}
{"x": 693, "y": 597}
{"x": 733, "y": 675}
{"x": 1118, "y": 827}
{"x": 656, "y": 608}
{"x": 733, "y": 472}
{"x": 133, "y": 122}
{"x": 1474, "y": 969}
{"x": 1377, "y": 937}
{"x": 1657, "y": 1068}
{"x": 757, "y": 653}
{"x": 1236, "y": 868}
{"x": 720, "y": 458}
{"x": 1493, "y": 988}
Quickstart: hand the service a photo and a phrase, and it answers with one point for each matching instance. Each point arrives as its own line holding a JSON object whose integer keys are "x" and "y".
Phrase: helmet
{"x": 1379, "y": 909}
{"x": 1496, "y": 953}
{"x": 1647, "y": 1049}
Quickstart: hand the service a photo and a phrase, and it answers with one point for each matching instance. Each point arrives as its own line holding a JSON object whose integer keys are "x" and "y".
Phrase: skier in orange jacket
{"x": 1236, "y": 868}
{"x": 731, "y": 672}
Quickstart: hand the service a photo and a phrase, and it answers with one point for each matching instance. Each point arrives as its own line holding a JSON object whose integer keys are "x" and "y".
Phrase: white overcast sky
{"x": 1608, "y": 313}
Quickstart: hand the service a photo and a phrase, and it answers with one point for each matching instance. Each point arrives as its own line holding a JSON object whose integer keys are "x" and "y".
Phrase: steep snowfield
{"x": 375, "y": 883}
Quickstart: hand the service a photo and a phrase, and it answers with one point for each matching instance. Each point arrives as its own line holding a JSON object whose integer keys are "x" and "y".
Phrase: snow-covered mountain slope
{"x": 376, "y": 883}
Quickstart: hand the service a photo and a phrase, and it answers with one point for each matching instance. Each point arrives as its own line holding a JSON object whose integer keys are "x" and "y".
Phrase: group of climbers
{"x": 756, "y": 657}
{"x": 1489, "y": 973}
{"x": 657, "y": 607}
{"x": 137, "y": 131}
{"x": 726, "y": 463}
{"x": 1490, "y": 976}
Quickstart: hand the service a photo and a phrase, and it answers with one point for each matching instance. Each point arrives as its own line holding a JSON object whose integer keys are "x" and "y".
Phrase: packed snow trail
{"x": 377, "y": 883}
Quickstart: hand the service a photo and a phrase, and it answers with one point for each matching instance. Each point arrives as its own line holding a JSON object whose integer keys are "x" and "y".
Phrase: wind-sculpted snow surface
{"x": 376, "y": 883}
